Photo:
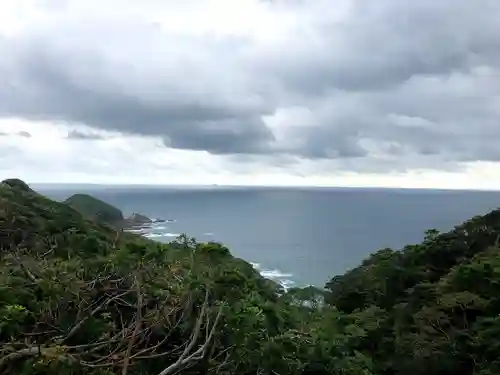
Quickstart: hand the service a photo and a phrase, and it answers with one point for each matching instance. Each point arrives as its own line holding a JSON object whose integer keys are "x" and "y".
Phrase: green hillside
{"x": 435, "y": 306}
{"x": 94, "y": 208}
{"x": 79, "y": 297}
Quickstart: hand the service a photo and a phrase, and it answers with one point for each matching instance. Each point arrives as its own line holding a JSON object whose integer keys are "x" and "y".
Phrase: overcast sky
{"x": 272, "y": 92}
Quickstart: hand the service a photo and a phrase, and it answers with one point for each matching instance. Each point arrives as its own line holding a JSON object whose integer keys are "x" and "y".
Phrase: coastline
{"x": 159, "y": 231}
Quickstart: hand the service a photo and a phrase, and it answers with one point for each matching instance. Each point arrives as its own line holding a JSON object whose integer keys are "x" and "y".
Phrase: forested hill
{"x": 95, "y": 209}
{"x": 435, "y": 305}
{"x": 80, "y": 297}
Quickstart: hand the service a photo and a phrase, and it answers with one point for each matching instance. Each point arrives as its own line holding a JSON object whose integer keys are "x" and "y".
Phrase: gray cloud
{"x": 50, "y": 79}
{"x": 80, "y": 135}
{"x": 393, "y": 85}
{"x": 388, "y": 42}
{"x": 24, "y": 134}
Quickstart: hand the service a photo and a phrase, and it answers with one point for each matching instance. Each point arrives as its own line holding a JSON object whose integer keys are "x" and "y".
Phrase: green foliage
{"x": 438, "y": 302}
{"x": 15, "y": 183}
{"x": 94, "y": 208}
{"x": 80, "y": 297}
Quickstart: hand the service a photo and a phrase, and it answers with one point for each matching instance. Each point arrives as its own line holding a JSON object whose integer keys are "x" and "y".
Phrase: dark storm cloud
{"x": 391, "y": 85}
{"x": 434, "y": 61}
{"x": 51, "y": 81}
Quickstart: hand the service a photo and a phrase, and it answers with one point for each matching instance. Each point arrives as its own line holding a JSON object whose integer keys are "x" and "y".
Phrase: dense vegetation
{"x": 95, "y": 209}
{"x": 80, "y": 297}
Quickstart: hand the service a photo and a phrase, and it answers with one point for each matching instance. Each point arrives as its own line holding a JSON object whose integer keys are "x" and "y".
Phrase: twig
{"x": 136, "y": 329}
{"x": 224, "y": 363}
{"x": 92, "y": 313}
{"x": 187, "y": 359}
{"x": 33, "y": 350}
{"x": 26, "y": 271}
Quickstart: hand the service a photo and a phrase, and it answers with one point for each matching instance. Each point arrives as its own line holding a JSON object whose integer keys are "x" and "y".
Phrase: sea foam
{"x": 284, "y": 279}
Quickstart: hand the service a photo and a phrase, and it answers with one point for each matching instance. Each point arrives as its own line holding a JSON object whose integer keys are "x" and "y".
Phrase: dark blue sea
{"x": 295, "y": 236}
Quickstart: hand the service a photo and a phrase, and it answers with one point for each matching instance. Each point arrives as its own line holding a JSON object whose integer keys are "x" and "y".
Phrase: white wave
{"x": 287, "y": 284}
{"x": 208, "y": 234}
{"x": 275, "y": 275}
{"x": 255, "y": 265}
{"x": 159, "y": 227}
{"x": 171, "y": 234}
{"x": 157, "y": 235}
{"x": 137, "y": 231}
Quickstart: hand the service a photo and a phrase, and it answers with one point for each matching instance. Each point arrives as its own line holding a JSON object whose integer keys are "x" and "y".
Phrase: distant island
{"x": 79, "y": 296}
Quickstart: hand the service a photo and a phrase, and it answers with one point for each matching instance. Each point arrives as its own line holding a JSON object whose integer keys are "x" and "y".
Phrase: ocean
{"x": 296, "y": 236}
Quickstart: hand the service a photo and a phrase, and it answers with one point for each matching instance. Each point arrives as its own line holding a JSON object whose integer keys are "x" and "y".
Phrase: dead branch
{"x": 92, "y": 313}
{"x": 141, "y": 336}
{"x": 139, "y": 355}
{"x": 136, "y": 328}
{"x": 31, "y": 351}
{"x": 225, "y": 362}
{"x": 188, "y": 357}
{"x": 27, "y": 272}
{"x": 117, "y": 236}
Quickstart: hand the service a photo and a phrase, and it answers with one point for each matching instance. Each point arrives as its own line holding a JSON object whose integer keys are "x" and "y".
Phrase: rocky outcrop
{"x": 137, "y": 220}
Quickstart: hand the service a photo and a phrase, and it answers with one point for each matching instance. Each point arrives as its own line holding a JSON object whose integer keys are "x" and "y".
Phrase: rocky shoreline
{"x": 136, "y": 221}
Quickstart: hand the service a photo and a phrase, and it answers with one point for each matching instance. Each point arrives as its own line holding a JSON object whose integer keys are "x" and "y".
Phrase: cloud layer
{"x": 371, "y": 87}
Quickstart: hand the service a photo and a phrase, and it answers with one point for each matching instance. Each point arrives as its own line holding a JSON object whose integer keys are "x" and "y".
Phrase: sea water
{"x": 294, "y": 236}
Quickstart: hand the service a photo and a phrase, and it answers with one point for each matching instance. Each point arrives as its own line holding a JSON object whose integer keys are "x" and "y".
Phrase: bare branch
{"x": 31, "y": 351}
{"x": 26, "y": 271}
{"x": 187, "y": 358}
{"x": 136, "y": 329}
{"x": 197, "y": 328}
{"x": 93, "y": 312}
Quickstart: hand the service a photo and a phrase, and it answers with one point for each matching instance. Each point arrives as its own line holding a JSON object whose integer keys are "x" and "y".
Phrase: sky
{"x": 395, "y": 93}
